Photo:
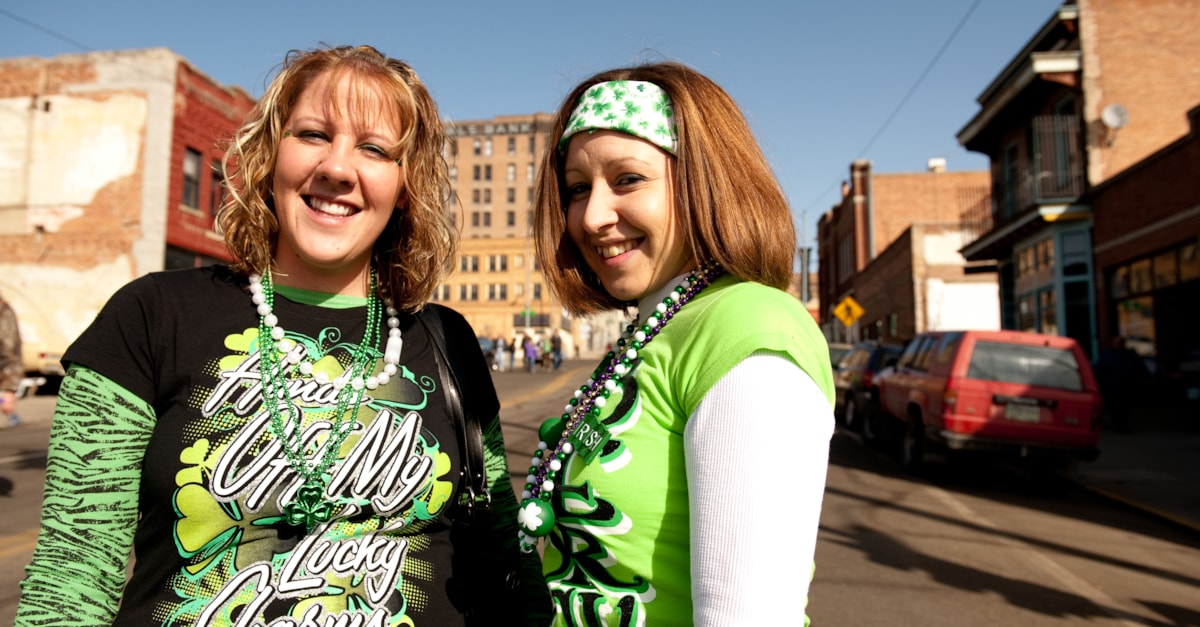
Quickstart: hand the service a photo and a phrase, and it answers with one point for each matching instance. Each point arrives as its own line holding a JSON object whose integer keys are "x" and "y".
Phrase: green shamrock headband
{"x": 638, "y": 108}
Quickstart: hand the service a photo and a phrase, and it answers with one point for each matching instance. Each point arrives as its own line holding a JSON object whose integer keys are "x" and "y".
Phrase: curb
{"x": 1150, "y": 510}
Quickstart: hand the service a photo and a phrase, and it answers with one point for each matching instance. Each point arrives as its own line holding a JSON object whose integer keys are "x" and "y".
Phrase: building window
{"x": 487, "y": 218}
{"x": 474, "y": 218}
{"x": 510, "y": 172}
{"x": 454, "y": 173}
{"x": 537, "y": 291}
{"x": 512, "y": 195}
{"x": 512, "y": 145}
{"x": 497, "y": 291}
{"x": 1049, "y": 312}
{"x": 497, "y": 263}
{"x": 468, "y": 263}
{"x": 487, "y": 196}
{"x": 475, "y": 173}
{"x": 1027, "y": 313}
{"x": 532, "y": 145}
{"x": 487, "y": 172}
{"x": 529, "y": 173}
{"x": 216, "y": 189}
{"x": 468, "y": 292}
{"x": 191, "y": 179}
{"x": 475, "y": 196}
{"x": 511, "y": 218}
{"x": 477, "y": 147}
{"x": 1010, "y": 207}
{"x": 487, "y": 147}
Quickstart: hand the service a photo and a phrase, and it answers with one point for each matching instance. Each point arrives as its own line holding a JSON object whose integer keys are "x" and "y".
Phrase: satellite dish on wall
{"x": 1114, "y": 116}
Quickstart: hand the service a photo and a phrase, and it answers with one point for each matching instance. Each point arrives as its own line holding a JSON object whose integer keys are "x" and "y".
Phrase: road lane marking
{"x": 1126, "y": 615}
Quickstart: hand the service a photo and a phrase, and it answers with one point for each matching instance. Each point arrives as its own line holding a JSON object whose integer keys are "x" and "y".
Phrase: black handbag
{"x": 486, "y": 568}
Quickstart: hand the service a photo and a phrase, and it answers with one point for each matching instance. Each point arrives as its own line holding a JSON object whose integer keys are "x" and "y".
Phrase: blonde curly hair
{"x": 416, "y": 249}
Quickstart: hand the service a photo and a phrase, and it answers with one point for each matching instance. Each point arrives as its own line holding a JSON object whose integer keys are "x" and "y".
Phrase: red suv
{"x": 1009, "y": 391}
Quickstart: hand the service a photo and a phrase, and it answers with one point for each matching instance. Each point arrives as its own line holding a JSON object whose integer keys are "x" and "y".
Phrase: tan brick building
{"x": 497, "y": 284}
{"x": 105, "y": 174}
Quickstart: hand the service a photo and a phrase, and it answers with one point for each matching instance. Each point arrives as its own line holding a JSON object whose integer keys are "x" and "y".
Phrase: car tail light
{"x": 950, "y": 395}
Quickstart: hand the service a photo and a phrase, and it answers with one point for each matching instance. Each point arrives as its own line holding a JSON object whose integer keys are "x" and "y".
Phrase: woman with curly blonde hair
{"x": 299, "y": 437}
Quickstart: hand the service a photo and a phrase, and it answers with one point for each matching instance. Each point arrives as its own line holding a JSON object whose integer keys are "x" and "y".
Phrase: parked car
{"x": 854, "y": 380}
{"x": 837, "y": 350}
{"x": 1018, "y": 393}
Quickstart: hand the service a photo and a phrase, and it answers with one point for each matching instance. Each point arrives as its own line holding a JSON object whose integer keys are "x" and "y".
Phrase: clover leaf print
{"x": 200, "y": 459}
{"x": 440, "y": 488}
{"x": 206, "y": 528}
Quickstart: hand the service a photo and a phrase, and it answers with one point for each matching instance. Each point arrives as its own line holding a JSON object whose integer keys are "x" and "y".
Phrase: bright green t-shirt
{"x": 620, "y": 552}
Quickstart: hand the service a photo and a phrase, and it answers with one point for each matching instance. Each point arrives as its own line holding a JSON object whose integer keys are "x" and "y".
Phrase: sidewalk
{"x": 1155, "y": 467}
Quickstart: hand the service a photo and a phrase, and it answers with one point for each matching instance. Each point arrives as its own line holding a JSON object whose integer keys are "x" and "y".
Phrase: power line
{"x": 58, "y": 36}
{"x": 903, "y": 101}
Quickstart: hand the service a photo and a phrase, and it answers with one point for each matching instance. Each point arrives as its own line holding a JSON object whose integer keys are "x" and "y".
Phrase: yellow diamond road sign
{"x": 848, "y": 310}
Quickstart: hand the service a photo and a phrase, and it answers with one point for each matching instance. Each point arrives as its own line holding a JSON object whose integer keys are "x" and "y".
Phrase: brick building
{"x": 1103, "y": 85}
{"x": 1146, "y": 233}
{"x": 875, "y": 212}
{"x": 497, "y": 284}
{"x": 105, "y": 174}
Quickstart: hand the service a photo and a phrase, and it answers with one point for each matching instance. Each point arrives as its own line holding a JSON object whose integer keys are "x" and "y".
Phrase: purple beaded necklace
{"x": 578, "y": 430}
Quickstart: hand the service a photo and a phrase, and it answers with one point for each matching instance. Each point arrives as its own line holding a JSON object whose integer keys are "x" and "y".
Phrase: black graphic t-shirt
{"x": 212, "y": 546}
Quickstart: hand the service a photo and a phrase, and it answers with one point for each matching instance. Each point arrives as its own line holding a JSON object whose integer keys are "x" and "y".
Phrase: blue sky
{"x": 823, "y": 83}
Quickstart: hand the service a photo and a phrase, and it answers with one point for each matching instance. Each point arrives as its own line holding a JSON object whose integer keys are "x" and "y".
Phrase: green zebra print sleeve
{"x": 535, "y": 595}
{"x": 90, "y": 505}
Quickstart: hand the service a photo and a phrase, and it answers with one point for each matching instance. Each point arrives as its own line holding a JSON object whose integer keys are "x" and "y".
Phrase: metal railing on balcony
{"x": 1056, "y": 176}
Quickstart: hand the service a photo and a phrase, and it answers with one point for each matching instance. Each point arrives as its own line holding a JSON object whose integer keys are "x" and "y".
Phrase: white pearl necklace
{"x": 294, "y": 354}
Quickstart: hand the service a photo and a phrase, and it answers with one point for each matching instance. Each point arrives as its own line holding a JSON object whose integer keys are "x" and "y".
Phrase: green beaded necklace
{"x": 578, "y": 431}
{"x": 310, "y": 506}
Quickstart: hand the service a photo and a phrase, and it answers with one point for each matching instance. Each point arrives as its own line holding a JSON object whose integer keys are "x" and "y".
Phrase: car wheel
{"x": 872, "y": 426}
{"x": 850, "y": 417}
{"x": 912, "y": 447}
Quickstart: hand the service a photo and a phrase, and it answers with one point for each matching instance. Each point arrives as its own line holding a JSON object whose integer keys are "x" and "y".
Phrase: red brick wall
{"x": 886, "y": 287}
{"x": 1162, "y": 187}
{"x": 904, "y": 199}
{"x": 1141, "y": 54}
{"x": 206, "y": 114}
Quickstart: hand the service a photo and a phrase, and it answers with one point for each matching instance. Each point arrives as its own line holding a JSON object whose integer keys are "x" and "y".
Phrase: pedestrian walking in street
{"x": 281, "y": 440}
{"x": 556, "y": 356}
{"x": 698, "y": 501}
{"x": 1122, "y": 377}
{"x": 500, "y": 356}
{"x": 531, "y": 354}
{"x": 12, "y": 365}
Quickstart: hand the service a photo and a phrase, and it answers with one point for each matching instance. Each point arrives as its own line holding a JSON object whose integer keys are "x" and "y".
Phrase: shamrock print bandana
{"x": 638, "y": 108}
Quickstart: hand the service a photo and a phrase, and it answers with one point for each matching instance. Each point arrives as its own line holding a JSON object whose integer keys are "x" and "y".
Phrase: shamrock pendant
{"x": 535, "y": 518}
{"x": 310, "y": 507}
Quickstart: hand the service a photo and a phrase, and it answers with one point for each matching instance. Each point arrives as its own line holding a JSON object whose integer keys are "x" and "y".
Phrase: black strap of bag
{"x": 474, "y": 498}
{"x": 486, "y": 577}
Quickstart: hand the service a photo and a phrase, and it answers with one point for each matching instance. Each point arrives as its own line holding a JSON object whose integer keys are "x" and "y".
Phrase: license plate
{"x": 1022, "y": 413}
